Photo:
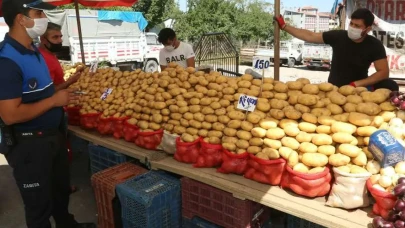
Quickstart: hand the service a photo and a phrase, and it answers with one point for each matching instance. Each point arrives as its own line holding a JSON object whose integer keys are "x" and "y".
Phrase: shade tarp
{"x": 130, "y": 17}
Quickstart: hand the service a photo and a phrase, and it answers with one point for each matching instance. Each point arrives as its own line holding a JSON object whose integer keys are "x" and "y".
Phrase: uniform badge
{"x": 32, "y": 83}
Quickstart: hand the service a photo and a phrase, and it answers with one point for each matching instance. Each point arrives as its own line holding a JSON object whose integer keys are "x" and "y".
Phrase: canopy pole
{"x": 276, "y": 42}
{"x": 79, "y": 28}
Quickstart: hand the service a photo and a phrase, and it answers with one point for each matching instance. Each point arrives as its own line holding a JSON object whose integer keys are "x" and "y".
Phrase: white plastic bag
{"x": 168, "y": 143}
{"x": 349, "y": 190}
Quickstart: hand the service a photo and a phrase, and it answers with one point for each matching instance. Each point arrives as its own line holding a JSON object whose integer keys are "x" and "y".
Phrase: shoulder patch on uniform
{"x": 32, "y": 83}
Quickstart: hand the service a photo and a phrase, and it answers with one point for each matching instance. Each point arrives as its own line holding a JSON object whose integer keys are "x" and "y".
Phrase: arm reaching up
{"x": 301, "y": 34}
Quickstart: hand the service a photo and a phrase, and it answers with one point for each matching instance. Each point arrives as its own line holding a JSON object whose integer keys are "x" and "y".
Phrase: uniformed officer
{"x": 31, "y": 114}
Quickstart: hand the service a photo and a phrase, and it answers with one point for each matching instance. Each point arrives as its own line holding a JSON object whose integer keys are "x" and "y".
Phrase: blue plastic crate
{"x": 198, "y": 222}
{"x": 151, "y": 200}
{"x": 102, "y": 158}
{"x": 77, "y": 144}
{"x": 295, "y": 222}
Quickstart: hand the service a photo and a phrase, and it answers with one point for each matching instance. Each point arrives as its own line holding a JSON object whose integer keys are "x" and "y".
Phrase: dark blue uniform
{"x": 39, "y": 156}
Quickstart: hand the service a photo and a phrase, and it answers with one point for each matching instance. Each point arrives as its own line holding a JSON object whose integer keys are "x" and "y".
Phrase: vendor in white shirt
{"x": 174, "y": 50}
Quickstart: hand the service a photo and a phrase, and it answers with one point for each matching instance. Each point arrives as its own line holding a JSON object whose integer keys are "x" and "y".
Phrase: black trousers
{"x": 387, "y": 84}
{"x": 41, "y": 171}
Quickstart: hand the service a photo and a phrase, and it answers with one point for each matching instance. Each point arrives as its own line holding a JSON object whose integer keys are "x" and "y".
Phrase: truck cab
{"x": 317, "y": 56}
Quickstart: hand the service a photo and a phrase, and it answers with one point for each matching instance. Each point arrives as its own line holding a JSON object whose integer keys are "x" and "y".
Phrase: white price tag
{"x": 94, "y": 66}
{"x": 106, "y": 93}
{"x": 247, "y": 103}
{"x": 260, "y": 62}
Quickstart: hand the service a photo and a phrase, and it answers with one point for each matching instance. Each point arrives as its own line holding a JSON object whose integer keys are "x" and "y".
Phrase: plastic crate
{"x": 102, "y": 158}
{"x": 220, "y": 207}
{"x": 104, "y": 183}
{"x": 295, "y": 222}
{"x": 78, "y": 144}
{"x": 151, "y": 200}
{"x": 197, "y": 222}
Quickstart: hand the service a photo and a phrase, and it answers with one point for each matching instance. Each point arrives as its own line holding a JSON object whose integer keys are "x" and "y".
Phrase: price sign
{"x": 261, "y": 62}
{"x": 247, "y": 103}
{"x": 106, "y": 93}
{"x": 94, "y": 66}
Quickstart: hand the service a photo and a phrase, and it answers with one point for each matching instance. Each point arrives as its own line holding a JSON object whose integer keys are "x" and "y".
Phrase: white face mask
{"x": 39, "y": 28}
{"x": 354, "y": 33}
{"x": 169, "y": 48}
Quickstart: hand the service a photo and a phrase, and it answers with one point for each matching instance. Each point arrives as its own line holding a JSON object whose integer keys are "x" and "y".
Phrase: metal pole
{"x": 276, "y": 42}
{"x": 79, "y": 28}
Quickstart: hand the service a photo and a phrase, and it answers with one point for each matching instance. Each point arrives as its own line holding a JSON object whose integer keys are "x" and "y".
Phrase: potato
{"x": 247, "y": 126}
{"x": 244, "y": 135}
{"x": 293, "y": 159}
{"x": 229, "y": 146}
{"x": 217, "y": 134}
{"x": 280, "y": 87}
{"x": 377, "y": 121}
{"x": 368, "y": 108}
{"x": 230, "y": 132}
{"x": 302, "y": 108}
{"x": 242, "y": 144}
{"x": 354, "y": 99}
{"x": 290, "y": 143}
{"x": 227, "y": 139}
{"x": 349, "y": 150}
{"x": 300, "y": 167}
{"x": 281, "y": 96}
{"x": 277, "y": 114}
{"x": 387, "y": 115}
{"x": 374, "y": 97}
{"x": 254, "y": 149}
{"x": 235, "y": 124}
{"x": 236, "y": 115}
{"x": 343, "y": 138}
{"x": 271, "y": 153}
{"x": 263, "y": 106}
{"x": 286, "y": 122}
{"x": 253, "y": 118}
{"x": 322, "y": 139}
{"x": 268, "y": 123}
{"x": 360, "y": 160}
{"x": 327, "y": 150}
{"x": 275, "y": 144}
{"x": 224, "y": 119}
{"x": 294, "y": 85}
{"x": 315, "y": 159}
{"x": 258, "y": 132}
{"x": 310, "y": 118}
{"x": 275, "y": 133}
{"x": 342, "y": 117}
{"x": 307, "y": 127}
{"x": 206, "y": 125}
{"x": 316, "y": 170}
{"x": 357, "y": 170}
{"x": 325, "y": 87}
{"x": 307, "y": 147}
{"x": 366, "y": 131}
{"x": 291, "y": 130}
{"x": 338, "y": 160}
{"x": 323, "y": 129}
{"x": 326, "y": 120}
{"x": 303, "y": 137}
{"x": 337, "y": 98}
{"x": 359, "y": 119}
{"x": 321, "y": 112}
{"x": 185, "y": 137}
{"x": 335, "y": 109}
{"x": 387, "y": 106}
{"x": 307, "y": 99}
{"x": 256, "y": 142}
{"x": 347, "y": 90}
{"x": 343, "y": 127}
{"x": 262, "y": 156}
{"x": 214, "y": 140}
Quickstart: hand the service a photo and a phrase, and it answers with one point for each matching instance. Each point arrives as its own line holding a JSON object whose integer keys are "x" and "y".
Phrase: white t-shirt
{"x": 179, "y": 55}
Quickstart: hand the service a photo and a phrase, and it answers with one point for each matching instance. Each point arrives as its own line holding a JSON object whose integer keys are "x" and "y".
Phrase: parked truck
{"x": 317, "y": 56}
{"x": 118, "y": 38}
{"x": 290, "y": 53}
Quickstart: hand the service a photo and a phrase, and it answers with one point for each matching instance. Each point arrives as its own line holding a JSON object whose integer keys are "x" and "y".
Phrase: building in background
{"x": 310, "y": 18}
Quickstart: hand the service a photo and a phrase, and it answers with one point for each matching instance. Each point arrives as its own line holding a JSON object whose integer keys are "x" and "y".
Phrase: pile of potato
{"x": 309, "y": 125}
{"x": 69, "y": 70}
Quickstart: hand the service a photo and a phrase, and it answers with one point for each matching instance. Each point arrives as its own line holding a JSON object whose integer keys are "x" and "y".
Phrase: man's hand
{"x": 75, "y": 77}
{"x": 369, "y": 88}
{"x": 64, "y": 97}
{"x": 280, "y": 21}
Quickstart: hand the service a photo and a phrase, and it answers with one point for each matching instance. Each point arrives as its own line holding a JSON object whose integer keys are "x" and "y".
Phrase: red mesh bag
{"x": 210, "y": 155}
{"x": 149, "y": 140}
{"x": 233, "y": 163}
{"x": 265, "y": 171}
{"x": 73, "y": 115}
{"x": 385, "y": 201}
{"x": 187, "y": 152}
{"x": 89, "y": 120}
{"x": 130, "y": 131}
{"x": 309, "y": 185}
{"x": 118, "y": 126}
{"x": 105, "y": 125}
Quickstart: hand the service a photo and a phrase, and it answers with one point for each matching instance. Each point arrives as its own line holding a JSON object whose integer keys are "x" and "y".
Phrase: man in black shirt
{"x": 353, "y": 52}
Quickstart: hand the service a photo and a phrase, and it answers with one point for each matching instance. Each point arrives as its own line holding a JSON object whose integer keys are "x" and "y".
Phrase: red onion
{"x": 399, "y": 205}
{"x": 399, "y": 224}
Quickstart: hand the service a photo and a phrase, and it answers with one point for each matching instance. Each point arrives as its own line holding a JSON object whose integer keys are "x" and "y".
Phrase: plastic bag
{"x": 187, "y": 152}
{"x": 89, "y": 120}
{"x": 118, "y": 126}
{"x": 149, "y": 140}
{"x": 130, "y": 131}
{"x": 349, "y": 190}
{"x": 309, "y": 185}
{"x": 233, "y": 163}
{"x": 73, "y": 115}
{"x": 210, "y": 155}
{"x": 265, "y": 171}
{"x": 168, "y": 144}
{"x": 105, "y": 125}
{"x": 385, "y": 201}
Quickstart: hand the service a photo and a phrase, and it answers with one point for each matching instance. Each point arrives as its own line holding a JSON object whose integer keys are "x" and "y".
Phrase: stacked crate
{"x": 102, "y": 158}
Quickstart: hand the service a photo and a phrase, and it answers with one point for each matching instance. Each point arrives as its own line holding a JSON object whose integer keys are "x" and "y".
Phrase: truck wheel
{"x": 136, "y": 65}
{"x": 151, "y": 66}
{"x": 291, "y": 62}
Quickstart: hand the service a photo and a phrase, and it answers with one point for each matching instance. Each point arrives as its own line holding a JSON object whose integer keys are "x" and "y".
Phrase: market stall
{"x": 310, "y": 150}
